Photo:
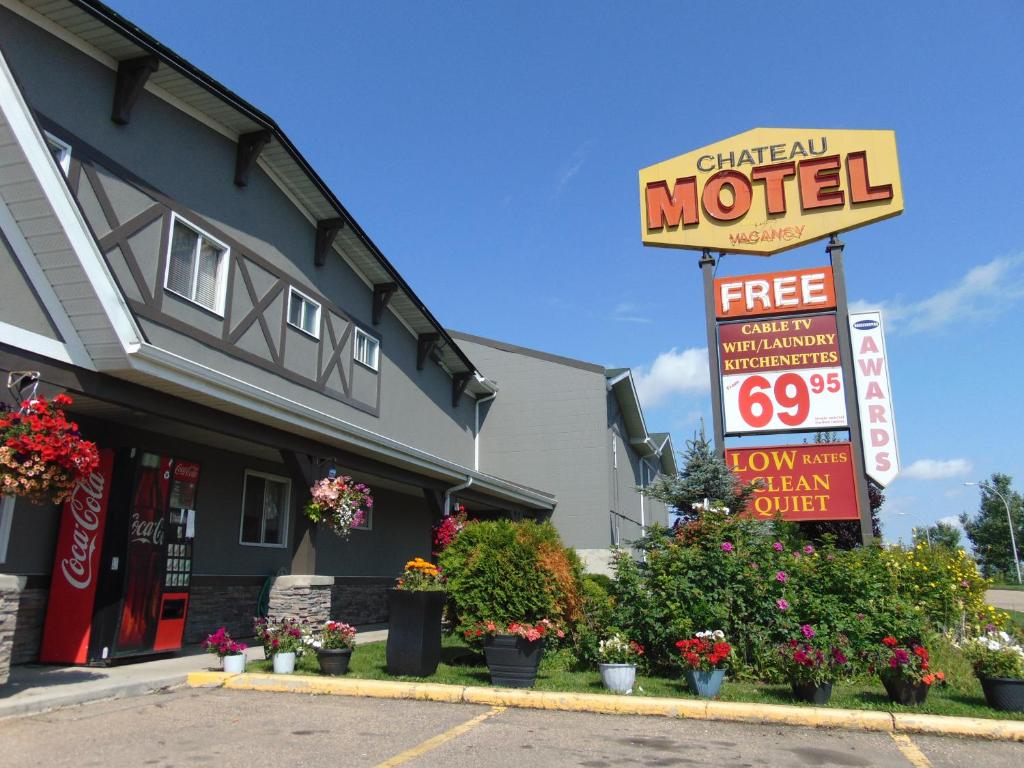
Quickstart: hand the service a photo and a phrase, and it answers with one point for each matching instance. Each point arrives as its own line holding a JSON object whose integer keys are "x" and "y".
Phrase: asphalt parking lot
{"x": 200, "y": 727}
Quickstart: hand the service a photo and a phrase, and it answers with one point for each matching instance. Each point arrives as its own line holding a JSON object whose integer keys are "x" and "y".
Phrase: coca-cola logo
{"x": 186, "y": 473}
{"x": 85, "y": 514}
{"x": 147, "y": 531}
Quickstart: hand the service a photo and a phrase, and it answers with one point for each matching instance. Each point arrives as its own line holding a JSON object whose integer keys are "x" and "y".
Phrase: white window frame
{"x": 294, "y": 292}
{"x": 6, "y": 516}
{"x": 375, "y": 367}
{"x": 222, "y": 267}
{"x": 64, "y": 161}
{"x": 285, "y": 512}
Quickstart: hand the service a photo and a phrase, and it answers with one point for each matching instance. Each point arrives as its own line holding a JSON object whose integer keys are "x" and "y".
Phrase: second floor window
{"x": 60, "y": 150}
{"x": 367, "y": 350}
{"x": 196, "y": 266}
{"x": 304, "y": 313}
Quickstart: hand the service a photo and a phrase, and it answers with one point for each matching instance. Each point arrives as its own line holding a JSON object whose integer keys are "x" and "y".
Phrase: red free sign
{"x": 799, "y": 482}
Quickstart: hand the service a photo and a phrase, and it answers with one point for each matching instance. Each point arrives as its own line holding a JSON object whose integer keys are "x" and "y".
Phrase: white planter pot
{"x": 284, "y": 663}
{"x": 618, "y": 677}
{"x": 234, "y": 664}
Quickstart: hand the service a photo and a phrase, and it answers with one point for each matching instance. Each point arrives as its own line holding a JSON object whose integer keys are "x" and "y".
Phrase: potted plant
{"x": 998, "y": 661}
{"x": 42, "y": 454}
{"x": 414, "y": 620}
{"x": 812, "y": 662}
{"x": 618, "y": 657}
{"x": 905, "y": 670}
{"x": 513, "y": 651}
{"x": 282, "y": 641}
{"x": 230, "y": 653}
{"x": 339, "y": 503}
{"x": 703, "y": 657}
{"x": 333, "y": 644}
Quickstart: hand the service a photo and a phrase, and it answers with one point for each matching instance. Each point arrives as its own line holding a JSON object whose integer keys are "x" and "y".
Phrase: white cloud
{"x": 985, "y": 292}
{"x": 573, "y": 164}
{"x": 672, "y": 372}
{"x": 628, "y": 312}
{"x": 936, "y": 469}
{"x": 952, "y": 520}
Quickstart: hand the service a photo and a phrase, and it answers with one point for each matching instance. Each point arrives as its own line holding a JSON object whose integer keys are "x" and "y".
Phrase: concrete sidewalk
{"x": 1012, "y": 599}
{"x": 34, "y": 688}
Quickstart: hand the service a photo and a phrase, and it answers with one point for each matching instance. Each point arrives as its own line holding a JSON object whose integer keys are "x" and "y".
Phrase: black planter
{"x": 905, "y": 692}
{"x": 414, "y": 632}
{"x": 512, "y": 660}
{"x": 334, "y": 661}
{"x": 1004, "y": 693}
{"x": 814, "y": 694}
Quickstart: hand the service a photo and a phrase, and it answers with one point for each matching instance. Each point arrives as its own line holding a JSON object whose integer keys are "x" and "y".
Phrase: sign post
{"x": 707, "y": 269}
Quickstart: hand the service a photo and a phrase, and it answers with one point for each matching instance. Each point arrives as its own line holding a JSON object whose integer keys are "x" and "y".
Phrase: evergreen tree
{"x": 989, "y": 531}
{"x": 704, "y": 476}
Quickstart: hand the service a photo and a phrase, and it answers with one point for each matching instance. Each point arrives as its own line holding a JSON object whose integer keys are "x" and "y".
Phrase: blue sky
{"x": 491, "y": 151}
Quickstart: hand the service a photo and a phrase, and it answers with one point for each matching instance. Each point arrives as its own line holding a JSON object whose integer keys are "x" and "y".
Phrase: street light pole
{"x": 1009, "y": 521}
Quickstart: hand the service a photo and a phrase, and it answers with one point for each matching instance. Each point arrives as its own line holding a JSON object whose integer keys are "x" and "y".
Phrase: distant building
{"x": 577, "y": 430}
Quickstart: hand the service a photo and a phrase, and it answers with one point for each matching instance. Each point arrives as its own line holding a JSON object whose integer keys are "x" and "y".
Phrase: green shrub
{"x": 505, "y": 571}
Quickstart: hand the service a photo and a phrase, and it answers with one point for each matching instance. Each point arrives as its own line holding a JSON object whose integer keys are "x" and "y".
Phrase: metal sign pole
{"x": 835, "y": 252}
{"x": 707, "y": 268}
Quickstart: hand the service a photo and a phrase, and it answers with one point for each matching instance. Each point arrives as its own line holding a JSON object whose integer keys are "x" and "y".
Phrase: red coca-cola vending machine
{"x": 121, "y": 576}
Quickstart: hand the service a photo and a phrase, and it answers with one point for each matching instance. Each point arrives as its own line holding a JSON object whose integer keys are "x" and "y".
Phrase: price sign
{"x": 779, "y": 401}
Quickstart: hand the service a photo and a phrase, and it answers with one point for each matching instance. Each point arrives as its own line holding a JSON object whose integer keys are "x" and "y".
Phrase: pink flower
{"x": 777, "y": 546}
{"x": 782, "y": 604}
{"x": 727, "y": 546}
{"x": 808, "y": 550}
{"x": 808, "y": 631}
{"x": 781, "y": 576}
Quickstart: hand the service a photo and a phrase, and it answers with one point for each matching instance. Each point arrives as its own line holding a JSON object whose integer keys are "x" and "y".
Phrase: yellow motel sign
{"x": 771, "y": 189}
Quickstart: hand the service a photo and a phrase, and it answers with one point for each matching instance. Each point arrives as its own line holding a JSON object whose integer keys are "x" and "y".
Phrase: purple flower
{"x": 781, "y": 576}
{"x": 838, "y": 656}
{"x": 808, "y": 631}
{"x": 901, "y": 656}
{"x": 777, "y": 546}
{"x": 782, "y": 604}
{"x": 727, "y": 546}
{"x": 808, "y": 550}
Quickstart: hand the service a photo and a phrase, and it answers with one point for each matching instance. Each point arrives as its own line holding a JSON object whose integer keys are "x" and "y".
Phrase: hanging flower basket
{"x": 339, "y": 503}
{"x": 42, "y": 454}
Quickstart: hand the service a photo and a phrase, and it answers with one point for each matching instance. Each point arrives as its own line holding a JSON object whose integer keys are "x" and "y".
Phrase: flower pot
{"x": 1004, "y": 693}
{"x": 414, "y": 632}
{"x": 902, "y": 691}
{"x": 618, "y": 678}
{"x": 234, "y": 664}
{"x": 512, "y": 660}
{"x": 703, "y": 683}
{"x": 334, "y": 661}
{"x": 284, "y": 663}
{"x": 811, "y": 693}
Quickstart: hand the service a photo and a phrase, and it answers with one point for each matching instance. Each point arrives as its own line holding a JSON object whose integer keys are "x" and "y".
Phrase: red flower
{"x": 890, "y": 641}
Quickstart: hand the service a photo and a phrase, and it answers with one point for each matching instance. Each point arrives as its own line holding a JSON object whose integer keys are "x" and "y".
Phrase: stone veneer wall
{"x": 28, "y": 635}
{"x": 307, "y": 598}
{"x": 9, "y": 590}
{"x": 360, "y": 601}
{"x": 222, "y": 602}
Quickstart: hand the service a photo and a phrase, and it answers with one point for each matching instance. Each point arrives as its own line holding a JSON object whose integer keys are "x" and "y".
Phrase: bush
{"x": 505, "y": 572}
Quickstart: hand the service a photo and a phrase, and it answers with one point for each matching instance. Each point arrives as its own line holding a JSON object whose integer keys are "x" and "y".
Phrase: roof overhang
{"x": 657, "y": 446}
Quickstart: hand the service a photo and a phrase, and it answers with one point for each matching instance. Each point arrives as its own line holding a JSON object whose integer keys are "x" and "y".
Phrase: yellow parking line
{"x": 910, "y": 750}
{"x": 441, "y": 738}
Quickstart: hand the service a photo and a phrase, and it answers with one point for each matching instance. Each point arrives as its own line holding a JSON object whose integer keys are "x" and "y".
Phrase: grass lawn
{"x": 1017, "y": 617}
{"x": 1014, "y": 586}
{"x": 461, "y": 666}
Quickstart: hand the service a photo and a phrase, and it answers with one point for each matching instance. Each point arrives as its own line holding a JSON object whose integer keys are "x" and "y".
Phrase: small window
{"x": 304, "y": 313}
{"x": 264, "y": 510}
{"x": 60, "y": 150}
{"x": 6, "y": 515}
{"x": 196, "y": 264}
{"x": 367, "y": 349}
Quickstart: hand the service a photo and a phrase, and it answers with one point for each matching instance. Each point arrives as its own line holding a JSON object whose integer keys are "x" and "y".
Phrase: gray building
{"x": 170, "y": 260}
{"x": 577, "y": 430}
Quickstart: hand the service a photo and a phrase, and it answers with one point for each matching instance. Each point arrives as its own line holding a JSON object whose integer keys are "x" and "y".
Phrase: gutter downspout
{"x": 450, "y": 491}
{"x": 476, "y": 431}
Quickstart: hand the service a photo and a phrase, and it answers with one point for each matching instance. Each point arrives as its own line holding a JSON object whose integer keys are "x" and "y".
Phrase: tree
{"x": 989, "y": 531}
{"x": 938, "y": 535}
{"x": 704, "y": 476}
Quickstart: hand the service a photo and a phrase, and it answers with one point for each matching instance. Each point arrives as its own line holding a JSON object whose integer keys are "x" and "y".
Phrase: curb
{"x": 105, "y": 693}
{"x": 694, "y": 709}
